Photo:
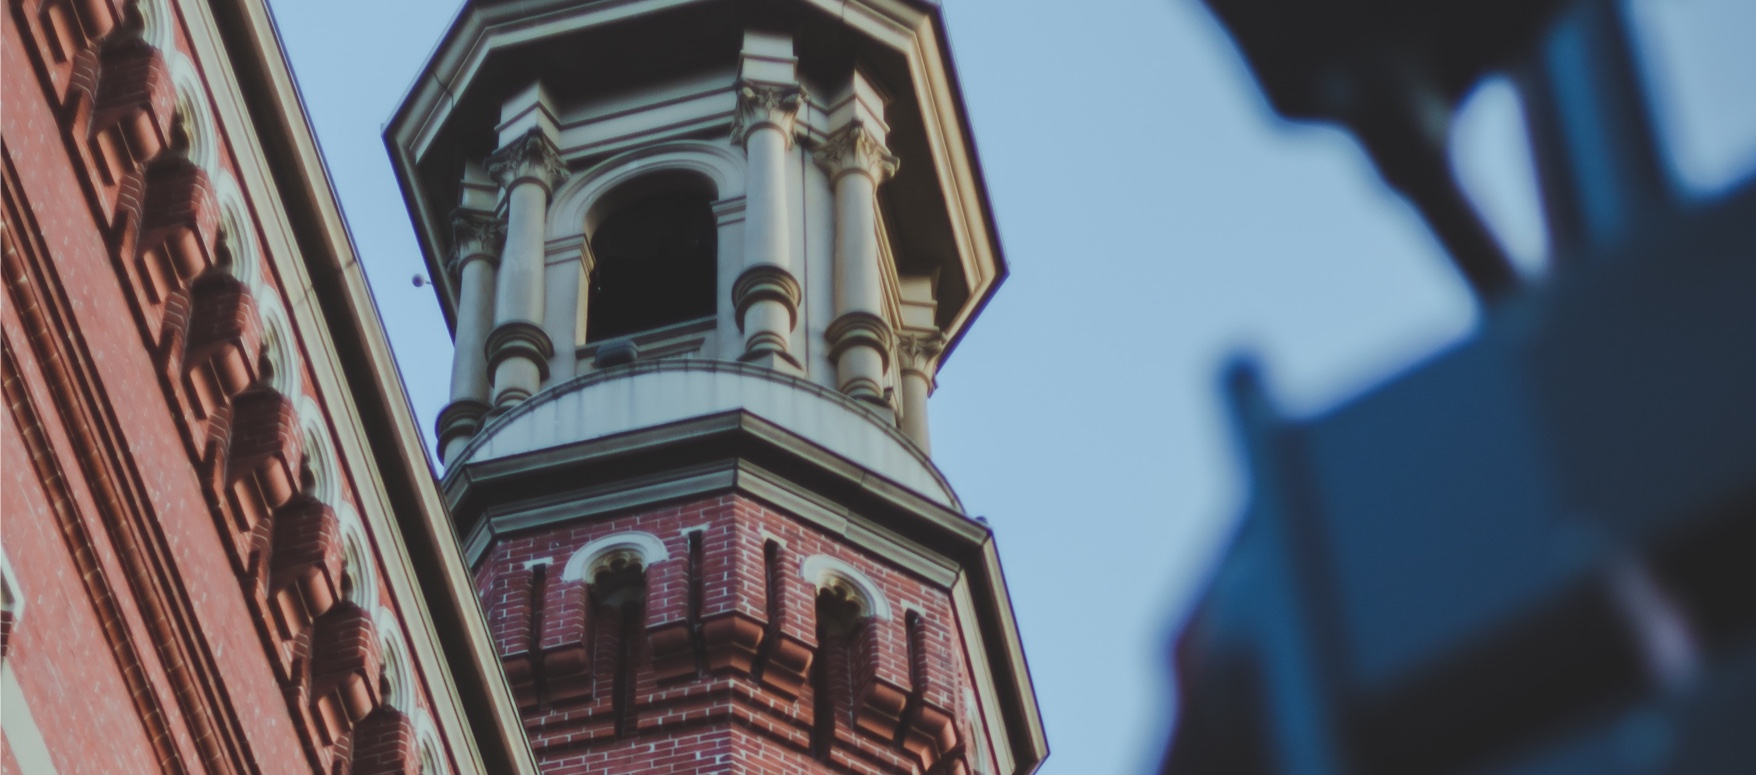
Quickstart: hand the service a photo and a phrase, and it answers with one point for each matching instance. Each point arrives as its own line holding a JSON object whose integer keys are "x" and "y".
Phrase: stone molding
{"x": 876, "y": 417}
{"x": 520, "y": 339}
{"x": 475, "y": 234}
{"x": 643, "y": 548}
{"x": 531, "y": 158}
{"x": 823, "y": 571}
{"x": 762, "y": 105}
{"x": 856, "y": 149}
{"x": 766, "y": 282}
{"x": 460, "y": 419}
{"x": 855, "y": 329}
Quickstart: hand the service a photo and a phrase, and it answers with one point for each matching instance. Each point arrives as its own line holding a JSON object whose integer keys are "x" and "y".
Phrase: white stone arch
{"x": 158, "y": 25}
{"x": 429, "y": 751}
{"x": 279, "y": 349}
{"x": 397, "y": 671}
{"x": 576, "y": 208}
{"x": 319, "y": 451}
{"x": 646, "y": 546}
{"x": 824, "y": 571}
{"x": 237, "y": 229}
{"x": 194, "y": 111}
{"x": 357, "y": 564}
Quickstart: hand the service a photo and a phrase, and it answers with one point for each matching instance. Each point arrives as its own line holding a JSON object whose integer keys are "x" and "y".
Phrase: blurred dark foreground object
{"x": 1534, "y": 553}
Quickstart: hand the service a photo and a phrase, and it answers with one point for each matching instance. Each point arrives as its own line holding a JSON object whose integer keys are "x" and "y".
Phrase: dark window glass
{"x": 655, "y": 265}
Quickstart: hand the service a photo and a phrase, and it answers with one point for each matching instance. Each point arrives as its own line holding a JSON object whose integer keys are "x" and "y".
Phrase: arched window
{"x": 849, "y": 604}
{"x": 654, "y": 257}
{"x": 615, "y": 567}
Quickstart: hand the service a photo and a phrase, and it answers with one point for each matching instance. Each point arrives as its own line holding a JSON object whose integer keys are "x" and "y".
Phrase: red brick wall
{"x": 147, "y": 464}
{"x": 711, "y": 689}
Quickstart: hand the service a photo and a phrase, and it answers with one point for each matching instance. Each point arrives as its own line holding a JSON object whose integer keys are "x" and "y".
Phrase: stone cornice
{"x": 761, "y": 105}
{"x": 533, "y": 158}
{"x": 856, "y": 149}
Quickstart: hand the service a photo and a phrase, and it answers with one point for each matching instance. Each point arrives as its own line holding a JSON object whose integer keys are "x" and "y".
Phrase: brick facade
{"x": 170, "y": 503}
{"x": 725, "y": 667}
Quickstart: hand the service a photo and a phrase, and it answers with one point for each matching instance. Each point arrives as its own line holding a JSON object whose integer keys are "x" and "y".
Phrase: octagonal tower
{"x": 702, "y": 261}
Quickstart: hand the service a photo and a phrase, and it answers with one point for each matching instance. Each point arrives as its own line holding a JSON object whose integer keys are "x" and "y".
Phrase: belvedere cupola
{"x": 702, "y": 261}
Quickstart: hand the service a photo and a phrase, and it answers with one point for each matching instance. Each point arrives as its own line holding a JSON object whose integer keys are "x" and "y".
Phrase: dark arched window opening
{"x": 655, "y": 260}
{"x": 841, "y": 615}
{"x": 618, "y": 590}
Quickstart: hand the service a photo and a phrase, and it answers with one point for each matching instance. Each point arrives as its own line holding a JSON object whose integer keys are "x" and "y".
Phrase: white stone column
{"x": 562, "y": 306}
{"x": 918, "y": 359}
{"x": 766, "y": 294}
{"x": 518, "y": 349}
{"x": 860, "y": 336}
{"x": 477, "y": 238}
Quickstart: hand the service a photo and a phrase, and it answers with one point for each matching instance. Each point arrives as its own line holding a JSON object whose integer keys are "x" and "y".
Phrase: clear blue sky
{"x": 1157, "y": 218}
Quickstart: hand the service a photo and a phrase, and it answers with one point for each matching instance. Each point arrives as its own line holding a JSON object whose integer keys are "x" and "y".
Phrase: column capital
{"x": 856, "y": 149}
{"x": 475, "y": 234}
{"x": 919, "y": 351}
{"x": 532, "y": 157}
{"x": 760, "y": 105}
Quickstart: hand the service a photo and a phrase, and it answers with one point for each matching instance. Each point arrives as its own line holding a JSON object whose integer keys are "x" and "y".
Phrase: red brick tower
{"x": 703, "y": 260}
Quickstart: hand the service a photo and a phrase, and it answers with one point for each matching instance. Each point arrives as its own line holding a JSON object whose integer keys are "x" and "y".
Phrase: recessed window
{"x": 655, "y": 259}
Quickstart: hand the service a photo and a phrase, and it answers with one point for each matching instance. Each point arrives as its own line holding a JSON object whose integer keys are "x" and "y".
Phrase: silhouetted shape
{"x": 1534, "y": 552}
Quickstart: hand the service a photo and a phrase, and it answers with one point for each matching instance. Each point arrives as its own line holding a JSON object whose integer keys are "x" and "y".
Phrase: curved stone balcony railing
{"x": 652, "y": 393}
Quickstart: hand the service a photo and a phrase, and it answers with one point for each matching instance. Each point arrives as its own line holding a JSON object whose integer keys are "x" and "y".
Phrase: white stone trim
{"x": 821, "y": 569}
{"x": 357, "y": 555}
{"x": 158, "y": 25}
{"x": 428, "y": 749}
{"x": 279, "y": 348}
{"x": 646, "y": 545}
{"x": 580, "y": 204}
{"x": 393, "y": 652}
{"x": 193, "y": 108}
{"x": 319, "y": 451}
{"x": 237, "y": 229}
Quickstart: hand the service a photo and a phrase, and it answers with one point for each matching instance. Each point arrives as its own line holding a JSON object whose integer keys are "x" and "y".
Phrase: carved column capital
{"x": 475, "y": 234}
{"x": 856, "y": 149}
{"x": 764, "y": 105}
{"x": 533, "y": 158}
{"x": 919, "y": 351}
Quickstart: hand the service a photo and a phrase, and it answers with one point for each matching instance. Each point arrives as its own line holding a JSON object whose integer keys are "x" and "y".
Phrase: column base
{"x": 458, "y": 422}
{"x": 774, "y": 359}
{"x": 520, "y": 339}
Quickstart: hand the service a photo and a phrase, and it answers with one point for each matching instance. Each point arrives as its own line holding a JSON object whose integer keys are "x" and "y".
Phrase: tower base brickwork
{"x": 713, "y": 656}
